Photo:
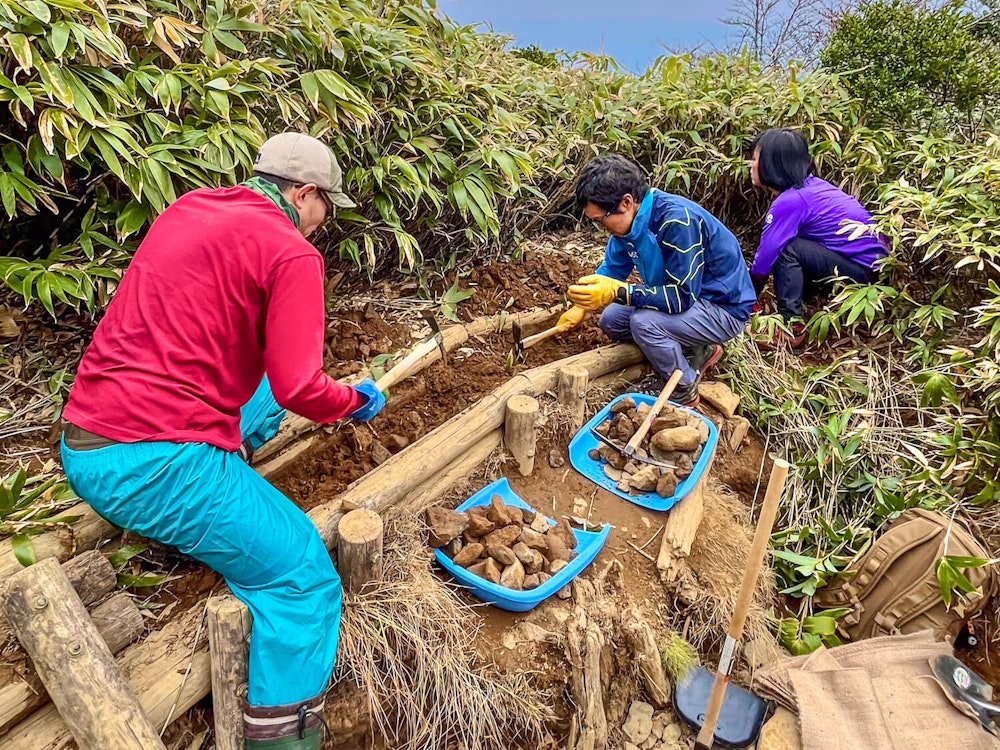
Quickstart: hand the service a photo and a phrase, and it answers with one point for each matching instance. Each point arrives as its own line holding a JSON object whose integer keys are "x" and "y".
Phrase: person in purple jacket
{"x": 803, "y": 244}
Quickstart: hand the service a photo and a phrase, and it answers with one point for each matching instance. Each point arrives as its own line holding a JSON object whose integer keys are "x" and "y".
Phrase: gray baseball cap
{"x": 303, "y": 159}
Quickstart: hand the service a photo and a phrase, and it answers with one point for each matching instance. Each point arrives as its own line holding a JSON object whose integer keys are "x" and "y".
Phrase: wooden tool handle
{"x": 546, "y": 334}
{"x": 765, "y": 524}
{"x": 654, "y": 412}
{"x": 402, "y": 370}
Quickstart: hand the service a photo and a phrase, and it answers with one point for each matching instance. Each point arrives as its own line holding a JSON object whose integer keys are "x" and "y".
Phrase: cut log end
{"x": 519, "y": 431}
{"x": 359, "y": 550}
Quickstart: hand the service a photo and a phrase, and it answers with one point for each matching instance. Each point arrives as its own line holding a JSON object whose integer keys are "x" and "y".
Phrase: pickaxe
{"x": 522, "y": 343}
{"x": 401, "y": 369}
{"x": 963, "y": 686}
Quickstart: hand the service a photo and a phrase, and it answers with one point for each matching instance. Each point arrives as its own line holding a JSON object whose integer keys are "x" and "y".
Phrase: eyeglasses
{"x": 605, "y": 217}
{"x": 326, "y": 200}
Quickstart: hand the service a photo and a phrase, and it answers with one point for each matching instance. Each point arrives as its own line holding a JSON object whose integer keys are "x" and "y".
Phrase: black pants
{"x": 805, "y": 270}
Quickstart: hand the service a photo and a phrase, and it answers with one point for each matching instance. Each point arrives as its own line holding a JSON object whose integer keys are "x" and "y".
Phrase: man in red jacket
{"x": 216, "y": 328}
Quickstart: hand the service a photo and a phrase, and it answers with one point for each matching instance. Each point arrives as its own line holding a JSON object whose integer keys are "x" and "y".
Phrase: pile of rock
{"x": 677, "y": 436}
{"x": 503, "y": 544}
{"x": 645, "y": 729}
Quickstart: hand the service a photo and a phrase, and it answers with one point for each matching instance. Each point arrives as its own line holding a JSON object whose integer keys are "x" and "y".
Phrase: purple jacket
{"x": 816, "y": 212}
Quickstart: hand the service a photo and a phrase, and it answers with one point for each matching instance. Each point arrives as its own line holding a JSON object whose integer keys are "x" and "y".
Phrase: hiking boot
{"x": 795, "y": 341}
{"x": 651, "y": 385}
{"x": 687, "y": 395}
{"x": 701, "y": 358}
{"x": 293, "y": 726}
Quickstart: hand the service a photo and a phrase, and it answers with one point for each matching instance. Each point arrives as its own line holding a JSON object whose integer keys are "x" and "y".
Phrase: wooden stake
{"x": 643, "y": 643}
{"x": 229, "y": 623}
{"x": 572, "y": 392}
{"x": 119, "y": 623}
{"x": 359, "y": 550}
{"x": 73, "y": 661}
{"x": 681, "y": 529}
{"x": 519, "y": 433}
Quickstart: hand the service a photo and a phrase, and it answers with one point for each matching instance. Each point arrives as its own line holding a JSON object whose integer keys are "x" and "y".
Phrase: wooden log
{"x": 170, "y": 673}
{"x": 119, "y": 623}
{"x": 229, "y": 623}
{"x": 737, "y": 429}
{"x": 585, "y": 643}
{"x": 681, "y": 529}
{"x": 427, "y": 493}
{"x": 571, "y": 391}
{"x": 406, "y": 470}
{"x": 359, "y": 550}
{"x": 73, "y": 661}
{"x": 519, "y": 433}
{"x": 643, "y": 642}
{"x": 90, "y": 574}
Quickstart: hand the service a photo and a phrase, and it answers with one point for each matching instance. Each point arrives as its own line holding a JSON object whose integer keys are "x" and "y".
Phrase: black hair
{"x": 279, "y": 182}
{"x": 608, "y": 179}
{"x": 784, "y": 160}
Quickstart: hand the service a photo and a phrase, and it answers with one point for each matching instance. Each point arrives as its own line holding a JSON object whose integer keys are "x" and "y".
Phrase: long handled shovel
{"x": 740, "y": 712}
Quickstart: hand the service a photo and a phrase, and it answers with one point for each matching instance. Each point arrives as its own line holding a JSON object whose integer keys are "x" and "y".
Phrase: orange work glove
{"x": 570, "y": 319}
{"x": 594, "y": 292}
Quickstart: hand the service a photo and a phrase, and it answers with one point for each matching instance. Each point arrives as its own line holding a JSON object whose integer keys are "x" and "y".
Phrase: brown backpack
{"x": 892, "y": 588}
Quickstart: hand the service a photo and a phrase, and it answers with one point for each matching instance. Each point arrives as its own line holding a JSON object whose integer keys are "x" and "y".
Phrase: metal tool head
{"x": 518, "y": 335}
{"x": 963, "y": 686}
{"x": 436, "y": 334}
{"x": 631, "y": 456}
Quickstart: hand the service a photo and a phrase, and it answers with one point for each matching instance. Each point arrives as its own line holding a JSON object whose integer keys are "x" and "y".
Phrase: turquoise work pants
{"x": 210, "y": 505}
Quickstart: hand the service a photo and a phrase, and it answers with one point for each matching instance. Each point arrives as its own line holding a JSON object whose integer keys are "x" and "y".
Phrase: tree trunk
{"x": 74, "y": 662}
{"x": 359, "y": 551}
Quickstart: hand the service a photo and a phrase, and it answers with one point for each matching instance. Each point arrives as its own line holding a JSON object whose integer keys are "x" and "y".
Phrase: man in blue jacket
{"x": 694, "y": 290}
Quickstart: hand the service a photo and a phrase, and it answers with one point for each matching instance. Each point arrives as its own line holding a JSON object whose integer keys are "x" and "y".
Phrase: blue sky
{"x": 632, "y": 31}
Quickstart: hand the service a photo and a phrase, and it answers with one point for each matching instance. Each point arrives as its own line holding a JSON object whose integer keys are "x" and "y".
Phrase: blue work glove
{"x": 374, "y": 400}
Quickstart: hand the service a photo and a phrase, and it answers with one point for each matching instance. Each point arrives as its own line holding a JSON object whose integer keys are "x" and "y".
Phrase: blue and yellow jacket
{"x": 683, "y": 254}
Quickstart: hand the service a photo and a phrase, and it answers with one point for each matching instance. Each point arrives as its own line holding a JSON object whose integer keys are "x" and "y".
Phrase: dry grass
{"x": 410, "y": 647}
{"x": 718, "y": 560}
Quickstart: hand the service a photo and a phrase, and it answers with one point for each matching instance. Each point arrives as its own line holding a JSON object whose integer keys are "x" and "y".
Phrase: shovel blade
{"x": 742, "y": 713}
{"x": 967, "y": 690}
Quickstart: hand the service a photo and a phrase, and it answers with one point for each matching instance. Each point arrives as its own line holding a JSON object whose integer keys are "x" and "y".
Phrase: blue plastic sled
{"x": 583, "y": 442}
{"x": 588, "y": 544}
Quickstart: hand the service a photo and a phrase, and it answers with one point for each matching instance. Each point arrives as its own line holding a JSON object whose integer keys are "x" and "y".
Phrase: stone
{"x": 505, "y": 536}
{"x": 615, "y": 475}
{"x": 498, "y": 512}
{"x": 684, "y": 466}
{"x": 515, "y": 514}
{"x": 513, "y": 575}
{"x": 594, "y": 455}
{"x": 642, "y": 411}
{"x": 523, "y": 553}
{"x": 479, "y": 568}
{"x": 631, "y": 468}
{"x": 646, "y": 522}
{"x": 721, "y": 397}
{"x": 604, "y": 428}
{"x": 556, "y": 460}
{"x": 639, "y": 722}
{"x": 613, "y": 457}
{"x": 624, "y": 405}
{"x": 395, "y": 443}
{"x": 702, "y": 430}
{"x": 645, "y": 479}
{"x": 677, "y": 439}
{"x": 380, "y": 454}
{"x": 625, "y": 485}
{"x": 666, "y": 485}
{"x": 623, "y": 429}
{"x": 491, "y": 571}
{"x": 737, "y": 428}
{"x": 533, "y": 539}
{"x": 780, "y": 732}
{"x": 565, "y": 532}
{"x": 531, "y": 582}
{"x": 760, "y": 652}
{"x": 650, "y": 742}
{"x": 453, "y": 547}
{"x": 503, "y": 555}
{"x": 557, "y": 565}
{"x": 671, "y": 733}
{"x": 539, "y": 524}
{"x": 479, "y": 525}
{"x": 669, "y": 417}
{"x": 630, "y": 746}
{"x": 580, "y": 506}
{"x": 557, "y": 549}
{"x": 542, "y": 578}
{"x": 566, "y": 592}
{"x": 469, "y": 554}
{"x": 444, "y": 525}
{"x": 696, "y": 455}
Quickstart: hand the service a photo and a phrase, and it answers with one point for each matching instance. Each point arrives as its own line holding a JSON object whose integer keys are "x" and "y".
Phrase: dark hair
{"x": 608, "y": 179}
{"x": 784, "y": 159}
{"x": 279, "y": 182}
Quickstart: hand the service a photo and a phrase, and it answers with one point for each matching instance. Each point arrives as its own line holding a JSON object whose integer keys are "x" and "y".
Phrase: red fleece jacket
{"x": 222, "y": 290}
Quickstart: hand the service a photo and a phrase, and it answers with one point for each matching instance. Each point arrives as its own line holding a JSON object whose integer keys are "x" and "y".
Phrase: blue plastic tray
{"x": 583, "y": 442}
{"x": 588, "y": 544}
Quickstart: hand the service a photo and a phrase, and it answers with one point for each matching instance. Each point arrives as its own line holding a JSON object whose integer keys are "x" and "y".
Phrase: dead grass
{"x": 409, "y": 647}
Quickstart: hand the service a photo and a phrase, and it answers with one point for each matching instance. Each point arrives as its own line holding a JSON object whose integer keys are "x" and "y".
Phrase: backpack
{"x": 892, "y": 588}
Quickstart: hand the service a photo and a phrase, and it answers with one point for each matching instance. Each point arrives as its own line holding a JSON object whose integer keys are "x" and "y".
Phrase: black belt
{"x": 79, "y": 439}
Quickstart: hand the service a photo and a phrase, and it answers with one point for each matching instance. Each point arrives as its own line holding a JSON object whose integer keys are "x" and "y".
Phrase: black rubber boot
{"x": 293, "y": 726}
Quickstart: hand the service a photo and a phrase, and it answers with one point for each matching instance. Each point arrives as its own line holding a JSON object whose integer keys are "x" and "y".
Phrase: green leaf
{"x": 21, "y": 48}
{"x": 124, "y": 554}
{"x": 23, "y": 549}
{"x": 59, "y": 37}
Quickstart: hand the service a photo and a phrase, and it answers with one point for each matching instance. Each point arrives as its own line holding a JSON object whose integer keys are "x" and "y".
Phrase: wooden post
{"x": 640, "y": 636}
{"x": 572, "y": 392}
{"x": 229, "y": 623}
{"x": 681, "y": 529}
{"x": 519, "y": 431}
{"x": 359, "y": 550}
{"x": 74, "y": 663}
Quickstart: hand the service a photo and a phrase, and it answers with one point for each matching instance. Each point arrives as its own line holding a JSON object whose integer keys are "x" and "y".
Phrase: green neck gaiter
{"x": 270, "y": 190}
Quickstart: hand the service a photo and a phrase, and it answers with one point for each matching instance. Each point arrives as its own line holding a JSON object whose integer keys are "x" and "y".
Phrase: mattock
{"x": 522, "y": 343}
{"x": 425, "y": 347}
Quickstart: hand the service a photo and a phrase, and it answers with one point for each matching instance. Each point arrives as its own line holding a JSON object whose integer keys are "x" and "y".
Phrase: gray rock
{"x": 639, "y": 723}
